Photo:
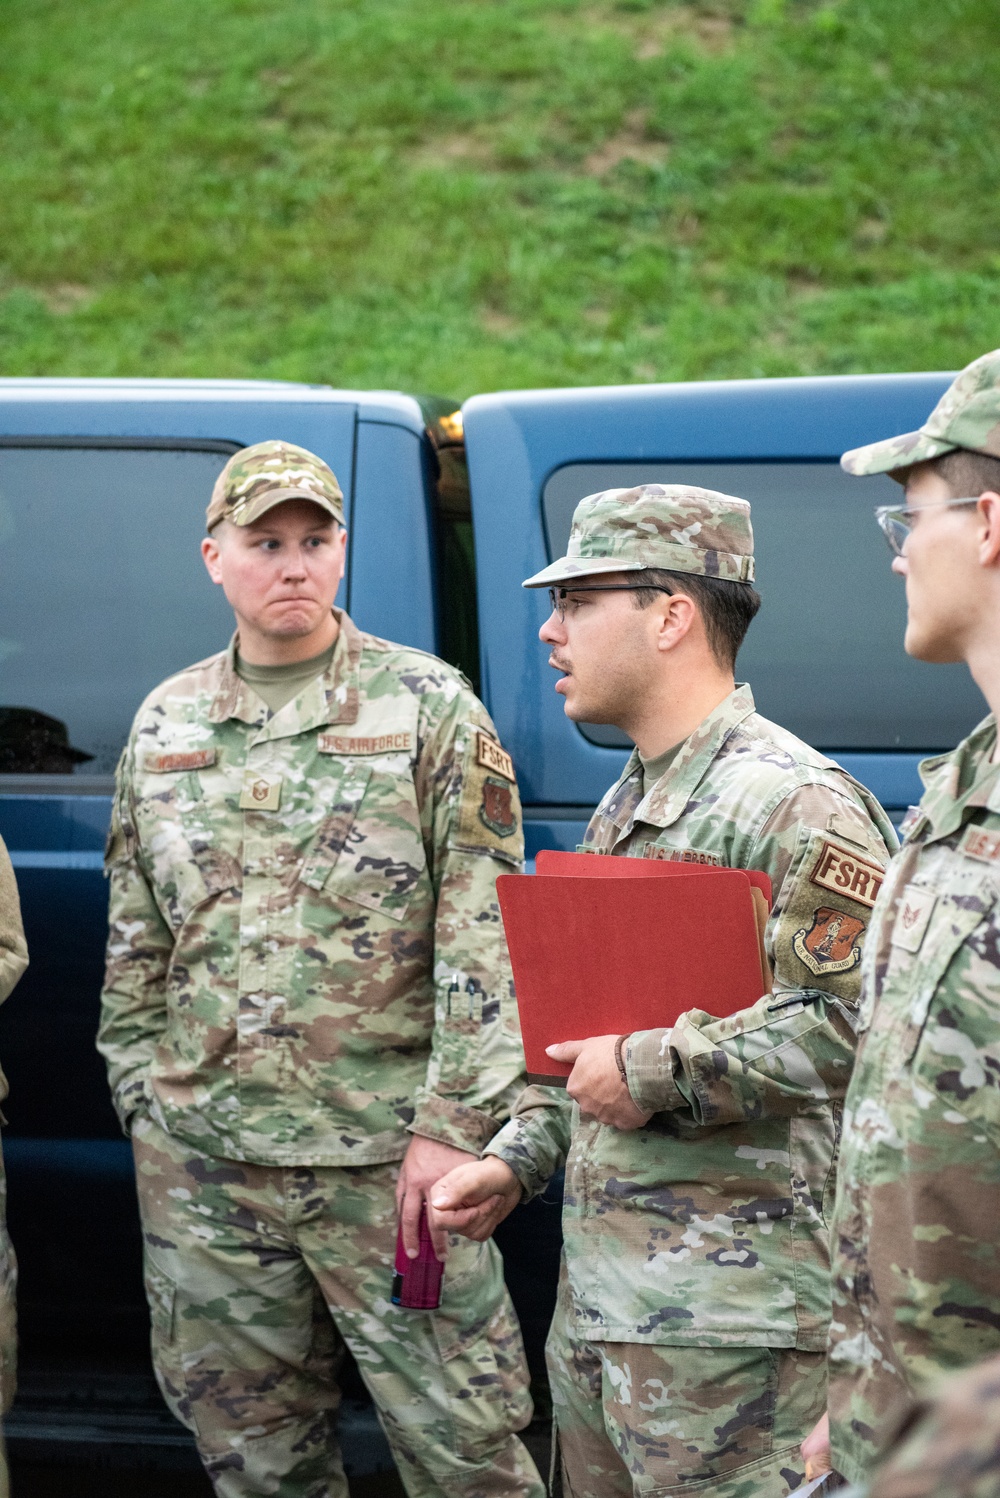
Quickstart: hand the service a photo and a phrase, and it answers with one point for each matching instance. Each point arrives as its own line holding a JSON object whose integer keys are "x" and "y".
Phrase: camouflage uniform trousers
{"x": 638, "y": 1419}
{"x": 257, "y": 1276}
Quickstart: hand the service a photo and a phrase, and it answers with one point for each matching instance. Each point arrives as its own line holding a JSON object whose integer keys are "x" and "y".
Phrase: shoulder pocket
{"x": 487, "y": 813}
{"x": 827, "y": 901}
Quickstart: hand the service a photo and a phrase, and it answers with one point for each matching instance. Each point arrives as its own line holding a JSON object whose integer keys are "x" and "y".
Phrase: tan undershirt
{"x": 652, "y": 769}
{"x": 279, "y": 684}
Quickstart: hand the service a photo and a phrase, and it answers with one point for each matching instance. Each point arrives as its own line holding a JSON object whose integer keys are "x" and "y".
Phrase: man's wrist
{"x": 520, "y": 1167}
{"x": 620, "y": 1043}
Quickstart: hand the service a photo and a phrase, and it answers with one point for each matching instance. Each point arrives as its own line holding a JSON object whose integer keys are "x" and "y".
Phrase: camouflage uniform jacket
{"x": 305, "y": 953}
{"x": 707, "y": 1226}
{"x": 916, "y": 1241}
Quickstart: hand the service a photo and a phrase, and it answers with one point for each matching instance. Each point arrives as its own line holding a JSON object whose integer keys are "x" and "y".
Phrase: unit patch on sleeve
{"x": 830, "y": 943}
{"x": 488, "y": 814}
{"x": 492, "y": 757}
{"x": 168, "y": 764}
{"x": 496, "y": 810}
{"x": 844, "y": 872}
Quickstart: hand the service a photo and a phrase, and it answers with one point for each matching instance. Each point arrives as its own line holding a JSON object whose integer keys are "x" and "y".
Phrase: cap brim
{"x": 569, "y": 567}
{"x": 255, "y": 508}
{"x": 895, "y": 454}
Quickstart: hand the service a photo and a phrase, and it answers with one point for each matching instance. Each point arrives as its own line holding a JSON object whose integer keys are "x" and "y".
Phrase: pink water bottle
{"x": 417, "y": 1282}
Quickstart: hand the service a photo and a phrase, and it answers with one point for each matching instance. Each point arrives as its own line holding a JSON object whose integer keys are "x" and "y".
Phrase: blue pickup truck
{"x": 448, "y": 510}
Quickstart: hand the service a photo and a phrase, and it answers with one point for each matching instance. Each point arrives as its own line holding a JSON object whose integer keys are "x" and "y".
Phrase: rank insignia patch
{"x": 496, "y": 810}
{"x": 830, "y": 943}
{"x": 912, "y": 917}
{"x": 260, "y": 792}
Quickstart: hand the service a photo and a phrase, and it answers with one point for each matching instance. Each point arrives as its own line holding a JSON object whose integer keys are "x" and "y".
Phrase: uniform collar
{"x": 331, "y": 698}
{"x": 670, "y": 795}
{"x": 959, "y": 783}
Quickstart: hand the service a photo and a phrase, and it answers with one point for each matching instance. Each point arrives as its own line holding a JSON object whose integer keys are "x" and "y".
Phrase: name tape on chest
{"x": 380, "y": 743}
{"x": 191, "y": 759}
{"x": 684, "y": 855}
{"x": 492, "y": 757}
{"x": 845, "y": 873}
{"x": 912, "y": 917}
{"x": 977, "y": 842}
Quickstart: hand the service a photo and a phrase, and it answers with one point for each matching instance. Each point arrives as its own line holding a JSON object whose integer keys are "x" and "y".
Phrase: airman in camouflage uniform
{"x": 306, "y": 969}
{"x": 916, "y": 1245}
{"x": 13, "y": 961}
{"x": 687, "y": 1347}
{"x": 949, "y": 1446}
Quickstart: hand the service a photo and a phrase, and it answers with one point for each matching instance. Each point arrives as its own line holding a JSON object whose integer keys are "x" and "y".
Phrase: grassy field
{"x": 459, "y": 195}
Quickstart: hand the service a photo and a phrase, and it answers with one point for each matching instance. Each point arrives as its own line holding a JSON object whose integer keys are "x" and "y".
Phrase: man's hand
{"x": 425, "y": 1161}
{"x": 474, "y": 1199}
{"x": 816, "y": 1449}
{"x": 596, "y": 1083}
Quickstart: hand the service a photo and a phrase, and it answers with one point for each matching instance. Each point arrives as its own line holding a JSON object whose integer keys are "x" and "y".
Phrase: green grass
{"x": 460, "y": 195}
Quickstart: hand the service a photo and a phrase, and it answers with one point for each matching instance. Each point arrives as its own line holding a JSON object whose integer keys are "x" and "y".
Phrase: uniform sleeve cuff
{"x": 649, "y": 1068}
{"x": 131, "y": 1099}
{"x": 507, "y": 1146}
{"x": 453, "y": 1123}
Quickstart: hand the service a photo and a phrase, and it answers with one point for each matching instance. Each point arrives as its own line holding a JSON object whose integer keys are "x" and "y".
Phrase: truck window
{"x": 825, "y": 654}
{"x": 103, "y": 592}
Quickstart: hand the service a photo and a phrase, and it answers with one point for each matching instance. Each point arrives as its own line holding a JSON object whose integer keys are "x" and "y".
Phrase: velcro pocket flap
{"x": 954, "y": 916}
{"x": 336, "y": 826}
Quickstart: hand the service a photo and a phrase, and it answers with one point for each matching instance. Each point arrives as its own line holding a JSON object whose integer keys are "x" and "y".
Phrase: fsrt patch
{"x": 492, "y": 757}
{"x": 846, "y": 873}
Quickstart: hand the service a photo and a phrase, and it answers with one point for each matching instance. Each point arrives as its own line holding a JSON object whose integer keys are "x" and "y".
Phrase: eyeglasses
{"x": 558, "y": 597}
{"x": 896, "y": 521}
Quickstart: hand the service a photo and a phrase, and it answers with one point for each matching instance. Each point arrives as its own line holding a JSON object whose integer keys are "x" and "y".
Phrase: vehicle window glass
{"x": 825, "y": 654}
{"x": 103, "y": 593}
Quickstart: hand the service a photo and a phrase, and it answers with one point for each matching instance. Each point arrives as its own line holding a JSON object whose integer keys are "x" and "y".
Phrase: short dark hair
{"x": 726, "y": 607}
{"x": 968, "y": 474}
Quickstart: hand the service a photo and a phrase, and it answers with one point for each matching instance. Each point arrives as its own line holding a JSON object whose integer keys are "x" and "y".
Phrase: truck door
{"x": 824, "y": 656}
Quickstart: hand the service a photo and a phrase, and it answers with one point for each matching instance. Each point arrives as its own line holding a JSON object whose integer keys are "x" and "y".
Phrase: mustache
{"x": 558, "y": 664}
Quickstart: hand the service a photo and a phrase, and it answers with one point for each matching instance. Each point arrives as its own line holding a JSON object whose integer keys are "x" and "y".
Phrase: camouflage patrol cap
{"x": 967, "y": 415}
{"x": 257, "y": 478}
{"x": 671, "y": 526}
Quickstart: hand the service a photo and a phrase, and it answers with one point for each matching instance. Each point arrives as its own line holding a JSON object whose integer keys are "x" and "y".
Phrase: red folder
{"x": 602, "y": 866}
{"x": 610, "y": 953}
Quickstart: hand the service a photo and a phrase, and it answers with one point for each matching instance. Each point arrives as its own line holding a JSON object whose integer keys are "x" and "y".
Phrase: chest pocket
{"x": 369, "y": 848}
{"x": 176, "y": 813}
{"x": 934, "y": 921}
